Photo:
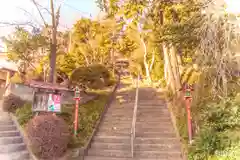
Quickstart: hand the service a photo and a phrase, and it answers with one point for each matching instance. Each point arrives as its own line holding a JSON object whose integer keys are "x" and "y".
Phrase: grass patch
{"x": 88, "y": 113}
{"x": 24, "y": 114}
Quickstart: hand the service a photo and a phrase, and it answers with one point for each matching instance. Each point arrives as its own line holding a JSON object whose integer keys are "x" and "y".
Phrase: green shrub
{"x": 24, "y": 114}
{"x": 12, "y": 102}
{"x": 219, "y": 131}
{"x": 231, "y": 153}
{"x": 222, "y": 116}
{"x": 206, "y": 144}
{"x": 94, "y": 76}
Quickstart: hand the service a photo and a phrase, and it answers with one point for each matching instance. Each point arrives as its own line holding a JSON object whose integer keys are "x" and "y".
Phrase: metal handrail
{"x": 134, "y": 118}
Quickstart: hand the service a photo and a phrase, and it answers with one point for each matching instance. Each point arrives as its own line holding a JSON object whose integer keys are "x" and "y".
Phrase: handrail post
{"x": 133, "y": 129}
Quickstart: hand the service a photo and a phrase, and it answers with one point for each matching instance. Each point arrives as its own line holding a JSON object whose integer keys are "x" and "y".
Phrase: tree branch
{"x": 31, "y": 15}
{"x": 57, "y": 16}
{"x": 37, "y": 6}
{"x": 6, "y": 24}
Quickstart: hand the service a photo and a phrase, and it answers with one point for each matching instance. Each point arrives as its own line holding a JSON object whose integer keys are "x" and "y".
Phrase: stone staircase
{"x": 155, "y": 135}
{"x": 12, "y": 146}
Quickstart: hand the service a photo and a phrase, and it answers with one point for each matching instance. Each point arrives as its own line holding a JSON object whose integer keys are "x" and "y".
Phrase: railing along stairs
{"x": 134, "y": 118}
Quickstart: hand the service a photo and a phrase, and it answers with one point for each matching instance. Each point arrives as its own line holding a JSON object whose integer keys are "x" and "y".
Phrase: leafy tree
{"x": 24, "y": 48}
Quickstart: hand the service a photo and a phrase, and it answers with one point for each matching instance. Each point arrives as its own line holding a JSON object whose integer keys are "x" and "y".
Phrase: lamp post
{"x": 187, "y": 89}
{"x": 77, "y": 99}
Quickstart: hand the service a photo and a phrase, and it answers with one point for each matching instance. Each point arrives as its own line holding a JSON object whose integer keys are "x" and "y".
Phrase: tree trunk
{"x": 175, "y": 67}
{"x": 145, "y": 62}
{"x": 168, "y": 69}
{"x": 152, "y": 62}
{"x": 179, "y": 56}
{"x": 53, "y": 47}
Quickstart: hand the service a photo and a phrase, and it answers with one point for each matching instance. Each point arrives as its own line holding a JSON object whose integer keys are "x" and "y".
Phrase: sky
{"x": 233, "y": 6}
{"x": 20, "y": 11}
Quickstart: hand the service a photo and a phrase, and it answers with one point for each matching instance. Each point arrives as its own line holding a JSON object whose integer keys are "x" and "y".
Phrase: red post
{"x": 76, "y": 117}
{"x": 189, "y": 118}
{"x": 77, "y": 99}
{"x": 188, "y": 99}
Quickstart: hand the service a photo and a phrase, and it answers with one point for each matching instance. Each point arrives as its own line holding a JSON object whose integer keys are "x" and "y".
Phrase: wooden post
{"x": 7, "y": 78}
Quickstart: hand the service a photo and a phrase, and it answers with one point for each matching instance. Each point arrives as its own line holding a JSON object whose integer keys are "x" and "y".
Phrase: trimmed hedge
{"x": 48, "y": 135}
{"x": 12, "y": 102}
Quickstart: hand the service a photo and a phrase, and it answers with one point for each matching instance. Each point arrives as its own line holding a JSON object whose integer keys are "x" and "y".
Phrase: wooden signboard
{"x": 47, "y": 97}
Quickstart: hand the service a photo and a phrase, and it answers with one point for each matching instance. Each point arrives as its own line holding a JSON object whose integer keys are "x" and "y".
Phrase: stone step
{"x": 153, "y": 110}
{"x": 139, "y": 128}
{"x": 149, "y": 118}
{"x": 7, "y": 127}
{"x": 114, "y": 158}
{"x": 120, "y": 110}
{"x": 4, "y": 114}
{"x": 10, "y": 140}
{"x": 115, "y": 122}
{"x": 145, "y": 124}
{"x": 138, "y": 140}
{"x": 12, "y": 148}
{"x": 109, "y": 153}
{"x": 137, "y": 154}
{"x": 112, "y": 139}
{"x": 152, "y": 114}
{"x": 116, "y": 133}
{"x": 22, "y": 155}
{"x": 137, "y": 147}
{"x": 7, "y": 122}
{"x": 152, "y": 119}
{"x": 130, "y": 106}
{"x": 149, "y": 124}
{"x": 112, "y": 133}
{"x": 158, "y": 140}
{"x": 9, "y": 133}
{"x": 140, "y": 112}
{"x": 124, "y": 111}
{"x": 111, "y": 146}
{"x": 166, "y": 134}
{"x": 162, "y": 155}
{"x": 158, "y": 147}
{"x": 110, "y": 118}
{"x": 105, "y": 158}
{"x": 153, "y": 101}
{"x": 5, "y": 118}
{"x": 122, "y": 117}
{"x": 143, "y": 104}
